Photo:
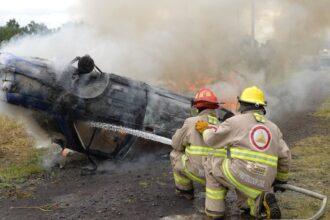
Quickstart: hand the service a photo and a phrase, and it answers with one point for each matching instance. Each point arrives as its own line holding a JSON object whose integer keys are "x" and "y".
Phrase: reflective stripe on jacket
{"x": 257, "y": 153}
{"x": 188, "y": 140}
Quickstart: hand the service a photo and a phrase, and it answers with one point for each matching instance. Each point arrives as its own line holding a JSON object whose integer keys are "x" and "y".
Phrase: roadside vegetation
{"x": 324, "y": 110}
{"x": 310, "y": 170}
{"x": 18, "y": 158}
{"x": 13, "y": 28}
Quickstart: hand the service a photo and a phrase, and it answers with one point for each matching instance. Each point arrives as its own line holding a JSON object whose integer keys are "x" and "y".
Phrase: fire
{"x": 190, "y": 83}
{"x": 199, "y": 83}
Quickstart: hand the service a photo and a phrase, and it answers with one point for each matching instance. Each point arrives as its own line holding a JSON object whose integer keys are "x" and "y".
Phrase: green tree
{"x": 34, "y": 27}
{"x": 12, "y": 28}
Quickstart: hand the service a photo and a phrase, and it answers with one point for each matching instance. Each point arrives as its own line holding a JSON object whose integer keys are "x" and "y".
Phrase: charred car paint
{"x": 64, "y": 99}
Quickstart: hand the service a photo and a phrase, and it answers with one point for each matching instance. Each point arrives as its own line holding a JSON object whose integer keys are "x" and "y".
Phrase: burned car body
{"x": 65, "y": 99}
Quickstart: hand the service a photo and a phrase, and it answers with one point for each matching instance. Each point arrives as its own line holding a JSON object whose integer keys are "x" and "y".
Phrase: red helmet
{"x": 205, "y": 98}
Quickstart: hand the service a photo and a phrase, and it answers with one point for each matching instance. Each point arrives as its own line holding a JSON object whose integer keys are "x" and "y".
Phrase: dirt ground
{"x": 138, "y": 189}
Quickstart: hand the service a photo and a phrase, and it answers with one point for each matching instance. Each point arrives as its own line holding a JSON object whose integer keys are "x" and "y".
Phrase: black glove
{"x": 278, "y": 182}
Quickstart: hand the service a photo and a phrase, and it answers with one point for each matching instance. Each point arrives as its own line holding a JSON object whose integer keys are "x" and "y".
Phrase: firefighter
{"x": 256, "y": 159}
{"x": 189, "y": 150}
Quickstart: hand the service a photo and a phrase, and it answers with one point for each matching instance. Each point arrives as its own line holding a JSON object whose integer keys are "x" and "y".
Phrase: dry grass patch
{"x": 310, "y": 170}
{"x": 324, "y": 110}
{"x": 18, "y": 158}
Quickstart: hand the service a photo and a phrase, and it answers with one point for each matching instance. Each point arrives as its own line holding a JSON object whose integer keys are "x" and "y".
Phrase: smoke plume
{"x": 31, "y": 126}
{"x": 183, "y": 45}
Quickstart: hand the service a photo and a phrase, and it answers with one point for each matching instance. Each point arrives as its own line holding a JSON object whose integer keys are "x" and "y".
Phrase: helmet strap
{"x": 245, "y": 107}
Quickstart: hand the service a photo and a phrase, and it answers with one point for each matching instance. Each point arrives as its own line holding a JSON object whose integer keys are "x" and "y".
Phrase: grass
{"x": 18, "y": 158}
{"x": 324, "y": 110}
{"x": 310, "y": 165}
{"x": 310, "y": 170}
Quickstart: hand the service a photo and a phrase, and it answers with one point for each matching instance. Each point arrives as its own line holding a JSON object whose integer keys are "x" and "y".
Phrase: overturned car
{"x": 64, "y": 101}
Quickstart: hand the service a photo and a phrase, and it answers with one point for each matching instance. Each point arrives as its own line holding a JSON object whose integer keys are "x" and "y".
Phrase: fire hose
{"x": 167, "y": 141}
{"x": 309, "y": 193}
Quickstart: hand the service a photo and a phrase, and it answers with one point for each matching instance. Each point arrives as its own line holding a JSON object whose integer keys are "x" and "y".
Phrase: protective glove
{"x": 276, "y": 182}
{"x": 201, "y": 126}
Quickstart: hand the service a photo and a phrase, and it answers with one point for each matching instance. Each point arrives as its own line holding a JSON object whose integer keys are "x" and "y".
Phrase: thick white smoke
{"x": 39, "y": 134}
{"x": 149, "y": 40}
{"x": 186, "y": 44}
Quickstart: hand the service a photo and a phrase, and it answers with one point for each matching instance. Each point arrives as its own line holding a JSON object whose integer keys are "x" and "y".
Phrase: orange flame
{"x": 190, "y": 83}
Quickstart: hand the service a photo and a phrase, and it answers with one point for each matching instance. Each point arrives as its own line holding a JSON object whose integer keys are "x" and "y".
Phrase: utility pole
{"x": 253, "y": 22}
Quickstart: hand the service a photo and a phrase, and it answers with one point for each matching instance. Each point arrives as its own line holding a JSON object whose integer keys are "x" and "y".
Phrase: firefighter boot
{"x": 187, "y": 194}
{"x": 213, "y": 218}
{"x": 269, "y": 207}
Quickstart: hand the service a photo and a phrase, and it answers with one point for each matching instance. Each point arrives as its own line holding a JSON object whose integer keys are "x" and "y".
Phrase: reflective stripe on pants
{"x": 252, "y": 205}
{"x": 189, "y": 174}
{"x": 215, "y": 194}
{"x": 182, "y": 182}
{"x": 282, "y": 176}
{"x": 215, "y": 197}
{"x": 249, "y": 191}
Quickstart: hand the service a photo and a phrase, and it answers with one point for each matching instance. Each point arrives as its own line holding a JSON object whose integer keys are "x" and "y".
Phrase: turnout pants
{"x": 183, "y": 178}
{"x": 217, "y": 185}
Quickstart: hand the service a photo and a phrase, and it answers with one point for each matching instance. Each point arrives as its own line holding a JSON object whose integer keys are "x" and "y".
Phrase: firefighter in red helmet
{"x": 189, "y": 150}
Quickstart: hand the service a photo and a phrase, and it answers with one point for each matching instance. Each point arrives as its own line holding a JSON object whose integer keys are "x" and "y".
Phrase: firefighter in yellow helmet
{"x": 256, "y": 158}
{"x": 189, "y": 149}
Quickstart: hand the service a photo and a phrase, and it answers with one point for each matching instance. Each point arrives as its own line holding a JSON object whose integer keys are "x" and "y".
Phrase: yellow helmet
{"x": 253, "y": 95}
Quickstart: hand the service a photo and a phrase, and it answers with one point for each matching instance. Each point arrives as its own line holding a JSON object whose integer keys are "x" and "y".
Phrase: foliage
{"x": 12, "y": 28}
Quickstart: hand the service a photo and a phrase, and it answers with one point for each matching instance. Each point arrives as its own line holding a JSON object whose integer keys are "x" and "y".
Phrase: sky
{"x": 50, "y": 12}
{"x": 56, "y": 13}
